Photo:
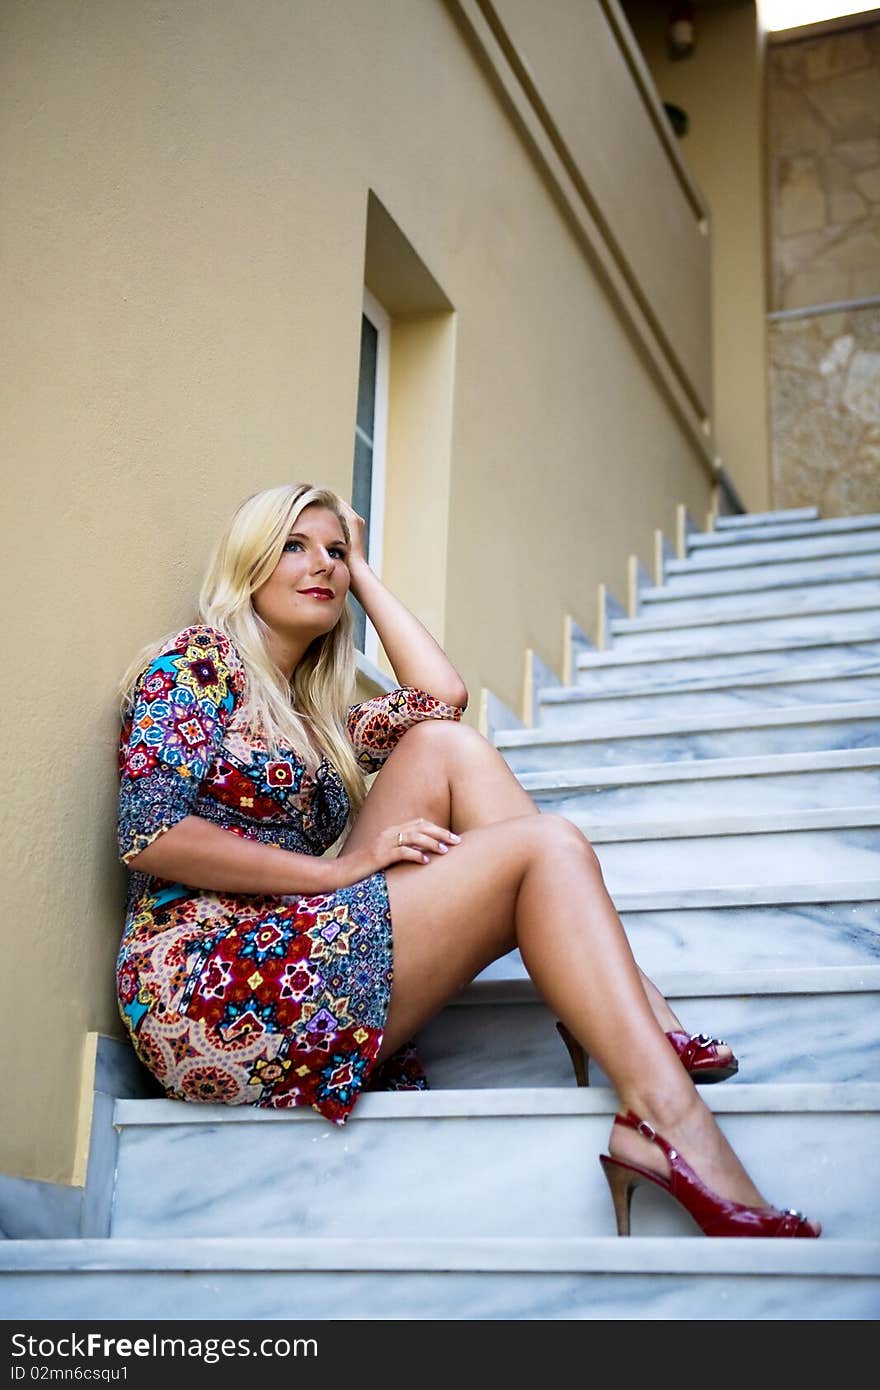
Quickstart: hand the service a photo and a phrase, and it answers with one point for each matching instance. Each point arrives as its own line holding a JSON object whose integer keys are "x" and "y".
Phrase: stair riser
{"x": 751, "y": 578}
{"x": 739, "y": 860}
{"x": 672, "y": 703}
{"x": 525, "y": 1174}
{"x": 764, "y": 603}
{"x": 743, "y": 937}
{"x": 786, "y": 1037}
{"x": 747, "y": 937}
{"x": 822, "y": 627}
{"x": 759, "y": 793}
{"x": 719, "y": 743}
{"x": 740, "y": 521}
{"x": 848, "y": 526}
{"x": 843, "y": 658}
{"x": 795, "y": 548}
{"x": 225, "y": 1295}
{"x": 756, "y": 938}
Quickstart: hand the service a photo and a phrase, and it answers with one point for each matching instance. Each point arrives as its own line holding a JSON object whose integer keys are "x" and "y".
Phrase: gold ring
{"x": 400, "y": 839}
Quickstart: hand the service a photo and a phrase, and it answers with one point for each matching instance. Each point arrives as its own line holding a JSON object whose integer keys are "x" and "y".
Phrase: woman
{"x": 255, "y": 968}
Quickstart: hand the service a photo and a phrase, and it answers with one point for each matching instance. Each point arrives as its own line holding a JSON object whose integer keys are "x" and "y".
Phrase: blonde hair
{"x": 322, "y": 684}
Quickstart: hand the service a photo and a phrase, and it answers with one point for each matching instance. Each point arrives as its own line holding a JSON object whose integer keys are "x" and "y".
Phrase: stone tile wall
{"x": 825, "y": 405}
{"x": 824, "y": 131}
{"x": 824, "y": 145}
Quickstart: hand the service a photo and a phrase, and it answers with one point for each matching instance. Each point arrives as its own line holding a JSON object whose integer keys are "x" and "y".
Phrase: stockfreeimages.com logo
{"x": 95, "y": 1346}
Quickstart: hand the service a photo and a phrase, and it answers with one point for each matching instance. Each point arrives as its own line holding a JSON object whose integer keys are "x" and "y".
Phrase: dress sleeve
{"x": 171, "y": 732}
{"x": 375, "y": 726}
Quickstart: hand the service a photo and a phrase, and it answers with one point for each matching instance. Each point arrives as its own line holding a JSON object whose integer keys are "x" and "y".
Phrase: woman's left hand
{"x": 357, "y": 529}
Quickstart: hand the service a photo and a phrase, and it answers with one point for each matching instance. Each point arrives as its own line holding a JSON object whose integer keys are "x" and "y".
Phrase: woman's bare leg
{"x": 535, "y": 882}
{"x": 532, "y": 881}
{"x": 450, "y": 774}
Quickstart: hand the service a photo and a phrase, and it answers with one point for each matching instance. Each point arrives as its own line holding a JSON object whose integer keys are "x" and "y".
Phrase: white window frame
{"x": 381, "y": 321}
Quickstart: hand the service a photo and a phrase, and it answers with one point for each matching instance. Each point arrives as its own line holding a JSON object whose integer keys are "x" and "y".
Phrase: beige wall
{"x": 720, "y": 86}
{"x": 184, "y": 223}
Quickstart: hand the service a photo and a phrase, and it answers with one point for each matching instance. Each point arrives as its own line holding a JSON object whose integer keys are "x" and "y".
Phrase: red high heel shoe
{"x": 715, "y": 1216}
{"x": 697, "y": 1052}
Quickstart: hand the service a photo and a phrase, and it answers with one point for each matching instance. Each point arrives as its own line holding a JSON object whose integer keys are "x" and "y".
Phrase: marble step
{"x": 745, "y": 520}
{"x": 710, "y": 851}
{"x": 227, "y": 1279}
{"x": 769, "y": 927}
{"x": 858, "y": 650}
{"x": 784, "y": 530}
{"x": 558, "y": 705}
{"x": 766, "y": 551}
{"x": 466, "y": 1163}
{"x": 574, "y": 743}
{"x": 796, "y": 1025}
{"x": 812, "y": 600}
{"x": 681, "y": 578}
{"x": 699, "y": 637}
{"x": 661, "y": 609}
{"x": 776, "y": 782}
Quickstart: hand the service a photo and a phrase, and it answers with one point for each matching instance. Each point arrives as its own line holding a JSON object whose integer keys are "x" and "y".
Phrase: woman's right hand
{"x": 412, "y": 841}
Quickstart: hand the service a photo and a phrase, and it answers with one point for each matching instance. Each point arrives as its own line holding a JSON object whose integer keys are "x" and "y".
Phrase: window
{"x": 368, "y": 481}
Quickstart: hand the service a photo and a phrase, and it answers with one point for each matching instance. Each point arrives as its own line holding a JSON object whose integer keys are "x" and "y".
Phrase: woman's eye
{"x": 335, "y": 550}
{"x": 291, "y": 545}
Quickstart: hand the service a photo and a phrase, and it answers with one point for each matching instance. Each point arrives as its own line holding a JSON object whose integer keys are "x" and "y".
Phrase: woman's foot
{"x": 727, "y": 1064}
{"x": 697, "y": 1137}
{"x": 706, "y": 1060}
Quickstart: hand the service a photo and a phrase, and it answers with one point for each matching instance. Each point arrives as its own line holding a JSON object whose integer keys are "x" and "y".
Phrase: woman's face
{"x": 305, "y": 593}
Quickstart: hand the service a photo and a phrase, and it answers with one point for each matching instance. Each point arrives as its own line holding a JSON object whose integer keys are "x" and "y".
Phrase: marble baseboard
{"x": 39, "y": 1210}
{"x": 45, "y": 1210}
{"x": 470, "y": 1163}
{"x": 579, "y": 642}
{"x": 495, "y": 716}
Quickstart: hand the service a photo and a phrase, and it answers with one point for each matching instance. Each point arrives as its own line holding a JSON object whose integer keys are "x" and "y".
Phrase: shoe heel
{"x": 580, "y": 1058}
{"x": 715, "y": 1215}
{"x": 621, "y": 1184}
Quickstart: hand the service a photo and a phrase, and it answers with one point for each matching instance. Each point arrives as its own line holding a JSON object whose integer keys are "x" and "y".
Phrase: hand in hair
{"x": 357, "y": 530}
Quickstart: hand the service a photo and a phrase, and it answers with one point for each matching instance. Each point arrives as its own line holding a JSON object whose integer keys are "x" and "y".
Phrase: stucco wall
{"x": 720, "y": 86}
{"x": 184, "y": 216}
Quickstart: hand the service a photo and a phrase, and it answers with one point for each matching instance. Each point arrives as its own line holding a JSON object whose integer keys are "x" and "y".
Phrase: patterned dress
{"x": 235, "y": 998}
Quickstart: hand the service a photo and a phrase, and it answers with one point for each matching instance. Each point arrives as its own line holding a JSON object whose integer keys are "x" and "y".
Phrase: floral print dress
{"x": 235, "y": 998}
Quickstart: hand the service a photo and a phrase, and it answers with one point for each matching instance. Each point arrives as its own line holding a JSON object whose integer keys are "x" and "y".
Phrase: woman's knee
{"x": 443, "y": 738}
{"x": 557, "y": 835}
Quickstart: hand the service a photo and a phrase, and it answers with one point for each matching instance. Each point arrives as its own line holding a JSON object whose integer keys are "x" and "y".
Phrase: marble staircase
{"x": 722, "y": 753}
